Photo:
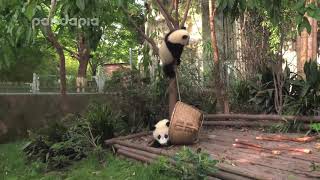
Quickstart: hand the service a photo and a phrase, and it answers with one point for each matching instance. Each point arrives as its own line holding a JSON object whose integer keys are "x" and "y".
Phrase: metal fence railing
{"x": 45, "y": 84}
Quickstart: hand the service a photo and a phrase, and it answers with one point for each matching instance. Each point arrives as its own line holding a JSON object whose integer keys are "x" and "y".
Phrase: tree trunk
{"x": 205, "y": 32}
{"x": 314, "y": 39}
{"x": 59, "y": 49}
{"x": 308, "y": 45}
{"x": 222, "y": 99}
{"x": 303, "y": 52}
{"x": 84, "y": 57}
{"x": 298, "y": 51}
{"x": 63, "y": 80}
{"x": 310, "y": 40}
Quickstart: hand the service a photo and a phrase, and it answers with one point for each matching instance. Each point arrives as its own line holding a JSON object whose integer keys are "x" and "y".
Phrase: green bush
{"x": 141, "y": 102}
{"x": 240, "y": 97}
{"x": 304, "y": 96}
{"x": 71, "y": 145}
{"x": 74, "y": 138}
{"x": 188, "y": 165}
{"x": 104, "y": 121}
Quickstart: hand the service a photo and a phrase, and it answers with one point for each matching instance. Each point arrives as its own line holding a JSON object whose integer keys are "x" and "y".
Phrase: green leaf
{"x": 312, "y": 6}
{"x": 251, "y": 4}
{"x": 305, "y": 90}
{"x": 299, "y": 4}
{"x": 314, "y": 13}
{"x": 298, "y": 19}
{"x": 304, "y": 24}
{"x": 231, "y": 3}
{"x": 29, "y": 35}
{"x": 80, "y": 4}
{"x": 242, "y": 5}
{"x": 223, "y": 5}
{"x": 30, "y": 10}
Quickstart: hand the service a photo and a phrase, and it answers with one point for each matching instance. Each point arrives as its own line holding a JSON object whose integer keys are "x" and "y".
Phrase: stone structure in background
{"x": 100, "y": 79}
{"x": 35, "y": 86}
{"x": 110, "y": 68}
{"x": 81, "y": 83}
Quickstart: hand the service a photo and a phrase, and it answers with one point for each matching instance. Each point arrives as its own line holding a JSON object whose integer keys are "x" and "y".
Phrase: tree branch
{"x": 53, "y": 6}
{"x": 72, "y": 53}
{"x": 176, "y": 7}
{"x": 171, "y": 7}
{"x": 172, "y": 24}
{"x": 50, "y": 36}
{"x": 150, "y": 40}
{"x": 185, "y": 16}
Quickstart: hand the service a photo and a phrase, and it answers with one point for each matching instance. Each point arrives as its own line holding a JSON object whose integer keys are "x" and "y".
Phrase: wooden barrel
{"x": 185, "y": 124}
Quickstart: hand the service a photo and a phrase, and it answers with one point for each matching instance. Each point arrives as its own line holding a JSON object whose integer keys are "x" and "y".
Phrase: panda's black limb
{"x": 169, "y": 70}
{"x": 178, "y": 62}
{"x": 156, "y": 144}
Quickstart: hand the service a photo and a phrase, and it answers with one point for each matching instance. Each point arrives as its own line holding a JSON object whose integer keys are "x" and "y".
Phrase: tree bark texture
{"x": 222, "y": 100}
{"x": 308, "y": 45}
{"x": 84, "y": 57}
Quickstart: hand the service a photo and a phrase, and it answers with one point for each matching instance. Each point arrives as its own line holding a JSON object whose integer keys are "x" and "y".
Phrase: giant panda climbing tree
{"x": 173, "y": 21}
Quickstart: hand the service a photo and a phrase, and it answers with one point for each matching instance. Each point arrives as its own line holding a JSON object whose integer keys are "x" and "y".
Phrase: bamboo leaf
{"x": 80, "y": 4}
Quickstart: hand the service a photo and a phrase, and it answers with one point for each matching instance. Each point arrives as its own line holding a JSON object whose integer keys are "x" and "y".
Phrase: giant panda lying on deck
{"x": 161, "y": 134}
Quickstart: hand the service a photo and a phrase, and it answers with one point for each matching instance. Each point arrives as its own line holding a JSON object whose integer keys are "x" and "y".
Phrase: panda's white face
{"x": 180, "y": 36}
{"x": 161, "y": 132}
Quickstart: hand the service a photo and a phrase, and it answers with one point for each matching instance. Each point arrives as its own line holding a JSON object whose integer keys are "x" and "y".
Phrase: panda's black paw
{"x": 178, "y": 62}
{"x": 169, "y": 70}
{"x": 155, "y": 144}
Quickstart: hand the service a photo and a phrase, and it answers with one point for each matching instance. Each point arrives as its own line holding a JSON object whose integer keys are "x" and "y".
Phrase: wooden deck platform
{"x": 251, "y": 163}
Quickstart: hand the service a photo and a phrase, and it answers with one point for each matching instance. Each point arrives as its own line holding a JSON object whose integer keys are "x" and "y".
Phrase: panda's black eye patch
{"x": 166, "y": 136}
{"x": 185, "y": 37}
{"x": 159, "y": 137}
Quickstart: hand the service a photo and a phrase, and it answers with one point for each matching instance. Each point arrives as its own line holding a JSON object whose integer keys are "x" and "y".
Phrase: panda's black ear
{"x": 168, "y": 123}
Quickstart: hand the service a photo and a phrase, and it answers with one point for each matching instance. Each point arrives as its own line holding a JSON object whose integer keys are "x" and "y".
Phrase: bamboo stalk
{"x": 212, "y": 117}
{"x": 285, "y": 138}
{"x": 248, "y": 145}
{"x": 273, "y": 150}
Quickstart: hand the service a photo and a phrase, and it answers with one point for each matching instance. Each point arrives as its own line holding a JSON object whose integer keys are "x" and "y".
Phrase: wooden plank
{"x": 149, "y": 158}
{"x": 236, "y": 171}
{"x": 240, "y": 157}
{"x": 256, "y": 117}
{"x": 219, "y": 144}
{"x": 229, "y": 138}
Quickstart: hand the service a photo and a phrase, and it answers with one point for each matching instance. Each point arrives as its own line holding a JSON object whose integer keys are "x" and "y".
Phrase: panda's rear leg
{"x": 169, "y": 70}
{"x": 178, "y": 62}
